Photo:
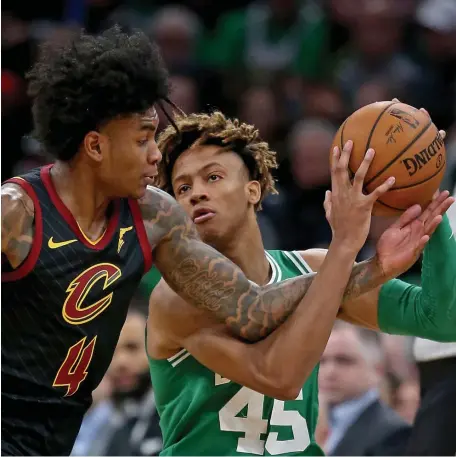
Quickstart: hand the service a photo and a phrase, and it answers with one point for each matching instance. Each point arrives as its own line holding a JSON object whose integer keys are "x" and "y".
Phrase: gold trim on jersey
{"x": 93, "y": 243}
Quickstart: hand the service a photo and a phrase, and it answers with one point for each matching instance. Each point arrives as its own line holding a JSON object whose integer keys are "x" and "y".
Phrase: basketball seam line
{"x": 411, "y": 185}
{"x": 420, "y": 182}
{"x": 400, "y": 153}
{"x": 369, "y": 138}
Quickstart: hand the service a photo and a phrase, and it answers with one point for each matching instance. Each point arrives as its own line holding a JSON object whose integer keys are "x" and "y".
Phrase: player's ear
{"x": 253, "y": 189}
{"x": 94, "y": 145}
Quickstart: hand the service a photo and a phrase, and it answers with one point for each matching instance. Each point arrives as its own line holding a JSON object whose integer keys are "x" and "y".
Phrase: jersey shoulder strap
{"x": 290, "y": 260}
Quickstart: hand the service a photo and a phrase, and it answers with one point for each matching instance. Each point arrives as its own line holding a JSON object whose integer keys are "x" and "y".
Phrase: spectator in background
{"x": 184, "y": 93}
{"x": 133, "y": 426}
{"x": 371, "y": 92}
{"x": 324, "y": 102}
{"x": 437, "y": 57}
{"x": 272, "y": 36}
{"x": 183, "y": 43}
{"x": 95, "y": 419}
{"x": 258, "y": 107}
{"x": 177, "y": 31}
{"x": 406, "y": 399}
{"x": 351, "y": 370}
{"x": 297, "y": 212}
{"x": 375, "y": 52}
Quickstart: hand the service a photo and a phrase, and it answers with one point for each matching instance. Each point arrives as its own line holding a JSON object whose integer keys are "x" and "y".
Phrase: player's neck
{"x": 247, "y": 251}
{"x": 76, "y": 187}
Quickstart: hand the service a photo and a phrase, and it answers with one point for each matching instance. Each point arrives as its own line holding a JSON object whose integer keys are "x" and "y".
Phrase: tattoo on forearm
{"x": 365, "y": 276}
{"x": 207, "y": 279}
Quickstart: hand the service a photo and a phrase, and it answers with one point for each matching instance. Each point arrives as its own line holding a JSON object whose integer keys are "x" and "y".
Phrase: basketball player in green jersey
{"x": 218, "y": 395}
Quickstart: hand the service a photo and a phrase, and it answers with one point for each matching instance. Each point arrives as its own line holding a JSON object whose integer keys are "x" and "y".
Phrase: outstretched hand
{"x": 401, "y": 244}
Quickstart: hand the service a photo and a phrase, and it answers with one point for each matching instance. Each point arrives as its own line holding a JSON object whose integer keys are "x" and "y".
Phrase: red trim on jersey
{"x": 27, "y": 265}
{"x": 142, "y": 235}
{"x": 103, "y": 241}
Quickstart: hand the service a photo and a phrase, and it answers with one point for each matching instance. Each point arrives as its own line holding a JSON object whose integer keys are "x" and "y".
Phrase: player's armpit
{"x": 17, "y": 224}
{"x": 236, "y": 361}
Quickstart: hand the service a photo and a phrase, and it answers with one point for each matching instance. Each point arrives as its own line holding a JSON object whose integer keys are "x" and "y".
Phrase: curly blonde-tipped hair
{"x": 215, "y": 128}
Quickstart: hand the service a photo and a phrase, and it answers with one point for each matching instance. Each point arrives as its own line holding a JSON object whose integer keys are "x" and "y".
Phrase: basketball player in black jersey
{"x": 78, "y": 235}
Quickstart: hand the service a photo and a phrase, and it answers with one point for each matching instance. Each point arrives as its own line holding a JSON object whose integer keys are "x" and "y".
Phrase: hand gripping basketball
{"x": 408, "y": 146}
{"x": 348, "y": 209}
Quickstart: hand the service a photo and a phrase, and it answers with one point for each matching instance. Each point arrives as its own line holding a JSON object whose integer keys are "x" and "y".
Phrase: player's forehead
{"x": 136, "y": 121}
{"x": 148, "y": 118}
{"x": 199, "y": 158}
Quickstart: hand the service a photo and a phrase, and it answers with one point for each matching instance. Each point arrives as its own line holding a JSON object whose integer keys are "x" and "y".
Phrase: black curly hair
{"x": 79, "y": 87}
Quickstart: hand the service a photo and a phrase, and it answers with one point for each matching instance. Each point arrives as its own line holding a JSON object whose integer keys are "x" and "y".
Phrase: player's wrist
{"x": 377, "y": 273}
{"x": 343, "y": 247}
{"x": 342, "y": 252}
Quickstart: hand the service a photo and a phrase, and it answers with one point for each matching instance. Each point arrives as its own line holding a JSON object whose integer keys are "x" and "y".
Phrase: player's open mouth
{"x": 202, "y": 215}
{"x": 149, "y": 180}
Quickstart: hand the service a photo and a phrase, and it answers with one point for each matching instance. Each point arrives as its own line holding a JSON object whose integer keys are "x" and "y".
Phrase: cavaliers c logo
{"x": 75, "y": 311}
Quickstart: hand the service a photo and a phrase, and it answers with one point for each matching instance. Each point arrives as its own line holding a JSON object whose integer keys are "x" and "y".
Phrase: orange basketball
{"x": 407, "y": 146}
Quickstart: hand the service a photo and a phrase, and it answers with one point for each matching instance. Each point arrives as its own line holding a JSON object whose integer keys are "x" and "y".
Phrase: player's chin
{"x": 138, "y": 193}
{"x": 208, "y": 233}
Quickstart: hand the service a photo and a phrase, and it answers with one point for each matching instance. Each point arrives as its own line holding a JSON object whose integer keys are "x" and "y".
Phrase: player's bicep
{"x": 17, "y": 224}
{"x": 201, "y": 275}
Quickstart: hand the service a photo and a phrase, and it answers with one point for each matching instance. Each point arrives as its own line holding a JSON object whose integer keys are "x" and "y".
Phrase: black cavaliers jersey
{"x": 62, "y": 313}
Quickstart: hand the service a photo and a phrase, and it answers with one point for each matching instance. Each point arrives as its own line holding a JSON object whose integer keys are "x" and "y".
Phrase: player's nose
{"x": 198, "y": 197}
{"x": 199, "y": 192}
{"x": 154, "y": 155}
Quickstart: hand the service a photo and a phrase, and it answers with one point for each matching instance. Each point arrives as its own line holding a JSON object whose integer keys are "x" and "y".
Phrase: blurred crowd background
{"x": 295, "y": 69}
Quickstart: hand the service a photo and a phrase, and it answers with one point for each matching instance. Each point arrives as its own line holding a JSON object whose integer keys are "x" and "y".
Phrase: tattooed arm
{"x": 17, "y": 224}
{"x": 205, "y": 278}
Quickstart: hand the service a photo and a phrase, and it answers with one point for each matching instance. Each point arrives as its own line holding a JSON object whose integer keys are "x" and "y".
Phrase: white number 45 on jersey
{"x": 253, "y": 425}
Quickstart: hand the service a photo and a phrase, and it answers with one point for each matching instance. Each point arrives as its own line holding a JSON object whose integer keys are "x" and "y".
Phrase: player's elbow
{"x": 281, "y": 389}
{"x": 280, "y": 383}
{"x": 288, "y": 392}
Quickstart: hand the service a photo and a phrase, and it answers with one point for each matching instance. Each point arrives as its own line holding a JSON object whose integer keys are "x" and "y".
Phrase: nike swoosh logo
{"x": 58, "y": 244}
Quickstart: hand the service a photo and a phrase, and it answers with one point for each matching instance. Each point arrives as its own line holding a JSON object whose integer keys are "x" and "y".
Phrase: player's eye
{"x": 143, "y": 142}
{"x": 213, "y": 178}
{"x": 182, "y": 189}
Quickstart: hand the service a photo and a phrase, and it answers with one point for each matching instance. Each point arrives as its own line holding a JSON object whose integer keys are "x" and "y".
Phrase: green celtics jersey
{"x": 202, "y": 413}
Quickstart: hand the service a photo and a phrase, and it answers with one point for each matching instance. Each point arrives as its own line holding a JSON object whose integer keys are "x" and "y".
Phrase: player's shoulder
{"x": 18, "y": 216}
{"x": 161, "y": 215}
{"x": 314, "y": 257}
{"x": 155, "y": 199}
{"x": 16, "y": 200}
{"x": 158, "y": 206}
